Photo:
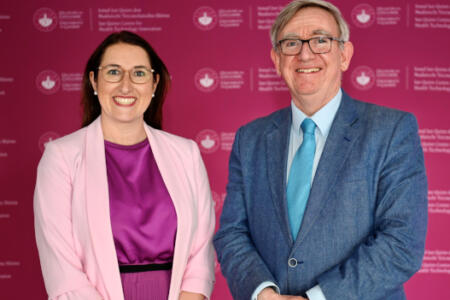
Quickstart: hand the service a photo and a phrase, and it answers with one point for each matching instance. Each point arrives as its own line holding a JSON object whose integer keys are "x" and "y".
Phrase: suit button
{"x": 292, "y": 262}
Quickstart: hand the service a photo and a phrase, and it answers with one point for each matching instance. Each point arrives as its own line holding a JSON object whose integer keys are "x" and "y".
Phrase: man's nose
{"x": 305, "y": 52}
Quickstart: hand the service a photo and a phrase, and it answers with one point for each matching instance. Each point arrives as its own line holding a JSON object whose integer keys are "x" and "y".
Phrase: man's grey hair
{"x": 292, "y": 8}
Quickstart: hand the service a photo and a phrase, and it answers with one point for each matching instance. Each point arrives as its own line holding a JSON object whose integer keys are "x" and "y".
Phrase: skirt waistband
{"x": 144, "y": 268}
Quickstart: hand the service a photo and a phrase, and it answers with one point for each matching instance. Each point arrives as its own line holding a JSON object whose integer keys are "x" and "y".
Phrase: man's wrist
{"x": 262, "y": 286}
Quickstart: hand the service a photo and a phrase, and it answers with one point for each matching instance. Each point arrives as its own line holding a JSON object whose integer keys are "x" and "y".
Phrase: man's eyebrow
{"x": 290, "y": 36}
{"x": 315, "y": 32}
{"x": 321, "y": 32}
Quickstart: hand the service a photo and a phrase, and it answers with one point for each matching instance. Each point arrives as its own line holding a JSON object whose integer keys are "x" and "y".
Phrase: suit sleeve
{"x": 61, "y": 267}
{"x": 393, "y": 252}
{"x": 199, "y": 273}
{"x": 239, "y": 260}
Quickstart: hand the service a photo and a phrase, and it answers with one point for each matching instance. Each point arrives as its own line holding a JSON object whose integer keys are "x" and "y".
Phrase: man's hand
{"x": 270, "y": 294}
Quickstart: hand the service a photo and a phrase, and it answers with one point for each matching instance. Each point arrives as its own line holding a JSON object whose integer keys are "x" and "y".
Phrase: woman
{"x": 123, "y": 210}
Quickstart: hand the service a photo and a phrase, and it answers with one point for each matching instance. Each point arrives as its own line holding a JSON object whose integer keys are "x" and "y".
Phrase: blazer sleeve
{"x": 61, "y": 266}
{"x": 393, "y": 252}
{"x": 240, "y": 262}
{"x": 199, "y": 273}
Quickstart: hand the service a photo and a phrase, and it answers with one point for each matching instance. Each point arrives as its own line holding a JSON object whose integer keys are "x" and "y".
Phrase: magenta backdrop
{"x": 218, "y": 56}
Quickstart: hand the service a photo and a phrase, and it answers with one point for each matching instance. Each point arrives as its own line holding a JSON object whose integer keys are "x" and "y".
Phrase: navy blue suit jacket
{"x": 363, "y": 232}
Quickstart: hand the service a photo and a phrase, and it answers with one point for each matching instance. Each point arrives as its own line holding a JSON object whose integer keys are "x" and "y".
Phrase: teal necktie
{"x": 299, "y": 183}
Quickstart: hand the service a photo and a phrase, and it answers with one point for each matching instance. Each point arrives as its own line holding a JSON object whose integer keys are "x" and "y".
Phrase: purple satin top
{"x": 143, "y": 217}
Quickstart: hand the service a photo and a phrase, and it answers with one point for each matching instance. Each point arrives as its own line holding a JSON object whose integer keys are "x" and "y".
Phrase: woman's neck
{"x": 124, "y": 133}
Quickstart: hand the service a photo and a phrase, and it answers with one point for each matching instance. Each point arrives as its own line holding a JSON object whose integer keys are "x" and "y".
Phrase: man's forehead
{"x": 311, "y": 21}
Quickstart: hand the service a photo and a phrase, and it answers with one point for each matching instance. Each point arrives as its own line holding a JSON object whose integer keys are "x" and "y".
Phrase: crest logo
{"x": 48, "y": 82}
{"x": 45, "y": 19}
{"x": 363, "y": 15}
{"x": 363, "y": 78}
{"x": 206, "y": 80}
{"x": 45, "y": 138}
{"x": 208, "y": 141}
{"x": 205, "y": 18}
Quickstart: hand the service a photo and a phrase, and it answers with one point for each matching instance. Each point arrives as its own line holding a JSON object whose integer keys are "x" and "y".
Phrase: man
{"x": 327, "y": 199}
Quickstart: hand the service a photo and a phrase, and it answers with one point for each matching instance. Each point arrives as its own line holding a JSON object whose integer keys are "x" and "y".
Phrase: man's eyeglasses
{"x": 318, "y": 45}
{"x": 115, "y": 73}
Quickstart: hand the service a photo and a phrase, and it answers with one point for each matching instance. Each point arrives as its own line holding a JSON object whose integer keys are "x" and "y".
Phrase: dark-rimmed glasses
{"x": 317, "y": 45}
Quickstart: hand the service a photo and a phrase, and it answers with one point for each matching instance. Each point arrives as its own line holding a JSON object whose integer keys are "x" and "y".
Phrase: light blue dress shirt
{"x": 323, "y": 119}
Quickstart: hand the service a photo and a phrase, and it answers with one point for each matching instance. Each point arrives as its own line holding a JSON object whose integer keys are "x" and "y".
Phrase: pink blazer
{"x": 72, "y": 221}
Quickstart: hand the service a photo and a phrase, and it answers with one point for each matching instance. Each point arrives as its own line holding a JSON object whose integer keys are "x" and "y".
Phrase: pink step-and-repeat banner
{"x": 218, "y": 55}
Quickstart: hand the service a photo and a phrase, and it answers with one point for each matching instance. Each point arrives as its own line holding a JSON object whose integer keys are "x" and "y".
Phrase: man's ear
{"x": 346, "y": 55}
{"x": 276, "y": 60}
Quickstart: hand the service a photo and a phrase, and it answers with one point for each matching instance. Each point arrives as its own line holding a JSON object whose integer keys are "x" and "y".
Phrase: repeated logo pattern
{"x": 205, "y": 18}
{"x": 48, "y": 82}
{"x": 363, "y": 78}
{"x": 45, "y": 19}
{"x": 208, "y": 140}
{"x": 206, "y": 80}
{"x": 363, "y": 15}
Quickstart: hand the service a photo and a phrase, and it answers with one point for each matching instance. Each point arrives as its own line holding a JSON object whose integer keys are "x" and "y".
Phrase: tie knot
{"x": 308, "y": 126}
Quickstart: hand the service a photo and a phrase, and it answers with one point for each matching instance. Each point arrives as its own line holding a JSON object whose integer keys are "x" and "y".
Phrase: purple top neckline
{"x": 143, "y": 218}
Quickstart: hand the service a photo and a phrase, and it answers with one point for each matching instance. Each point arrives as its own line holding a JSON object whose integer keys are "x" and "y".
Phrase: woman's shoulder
{"x": 172, "y": 139}
{"x": 71, "y": 140}
{"x": 68, "y": 147}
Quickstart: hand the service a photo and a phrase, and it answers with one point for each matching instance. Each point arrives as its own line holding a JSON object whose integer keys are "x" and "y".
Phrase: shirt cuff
{"x": 315, "y": 293}
{"x": 263, "y": 286}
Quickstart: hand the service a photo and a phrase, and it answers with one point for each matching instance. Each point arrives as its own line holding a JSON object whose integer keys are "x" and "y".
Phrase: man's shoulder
{"x": 378, "y": 113}
{"x": 262, "y": 124}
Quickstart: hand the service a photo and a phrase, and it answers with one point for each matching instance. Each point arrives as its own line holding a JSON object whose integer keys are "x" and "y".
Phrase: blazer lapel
{"x": 343, "y": 133}
{"x": 168, "y": 169}
{"x": 97, "y": 207}
{"x": 277, "y": 145}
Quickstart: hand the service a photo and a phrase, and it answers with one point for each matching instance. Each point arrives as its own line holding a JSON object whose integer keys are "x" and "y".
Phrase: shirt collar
{"x": 323, "y": 118}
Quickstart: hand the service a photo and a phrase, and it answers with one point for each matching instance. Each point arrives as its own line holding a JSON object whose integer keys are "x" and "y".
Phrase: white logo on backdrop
{"x": 208, "y": 141}
{"x": 205, "y": 18}
{"x": 206, "y": 80}
{"x": 363, "y": 15}
{"x": 45, "y": 19}
{"x": 363, "y": 78}
{"x": 48, "y": 82}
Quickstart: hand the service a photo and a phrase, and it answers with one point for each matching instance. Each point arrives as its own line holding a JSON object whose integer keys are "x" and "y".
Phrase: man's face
{"x": 308, "y": 75}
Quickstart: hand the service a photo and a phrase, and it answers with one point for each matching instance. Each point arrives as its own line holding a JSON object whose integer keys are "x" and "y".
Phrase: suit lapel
{"x": 97, "y": 207}
{"x": 344, "y": 131}
{"x": 277, "y": 145}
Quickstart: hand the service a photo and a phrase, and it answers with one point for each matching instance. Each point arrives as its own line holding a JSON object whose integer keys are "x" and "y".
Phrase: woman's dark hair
{"x": 89, "y": 102}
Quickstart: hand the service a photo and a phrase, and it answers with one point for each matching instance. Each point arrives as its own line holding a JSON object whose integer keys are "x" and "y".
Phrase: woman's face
{"x": 124, "y": 101}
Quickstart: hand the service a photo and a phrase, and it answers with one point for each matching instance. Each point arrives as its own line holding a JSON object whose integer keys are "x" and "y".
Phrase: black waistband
{"x": 144, "y": 268}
